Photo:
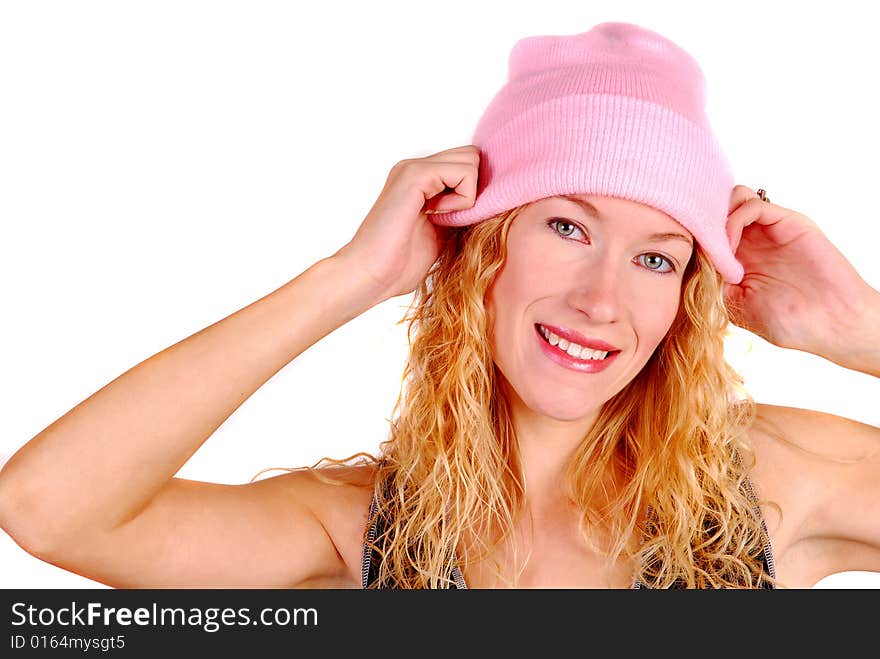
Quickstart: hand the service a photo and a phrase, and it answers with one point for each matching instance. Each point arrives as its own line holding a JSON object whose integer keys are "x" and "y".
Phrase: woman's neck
{"x": 546, "y": 446}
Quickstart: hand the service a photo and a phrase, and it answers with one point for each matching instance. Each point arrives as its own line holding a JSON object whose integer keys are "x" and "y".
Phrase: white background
{"x": 163, "y": 164}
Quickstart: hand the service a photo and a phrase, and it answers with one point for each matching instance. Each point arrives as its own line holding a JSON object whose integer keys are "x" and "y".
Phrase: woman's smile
{"x": 571, "y": 355}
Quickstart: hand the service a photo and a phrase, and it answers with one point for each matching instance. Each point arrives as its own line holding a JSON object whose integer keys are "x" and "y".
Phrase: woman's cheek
{"x": 659, "y": 313}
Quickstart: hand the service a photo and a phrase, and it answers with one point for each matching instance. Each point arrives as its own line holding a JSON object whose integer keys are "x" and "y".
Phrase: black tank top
{"x": 370, "y": 563}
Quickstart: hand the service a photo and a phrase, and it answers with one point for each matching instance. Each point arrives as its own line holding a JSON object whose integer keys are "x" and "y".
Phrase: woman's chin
{"x": 565, "y": 411}
{"x": 565, "y": 408}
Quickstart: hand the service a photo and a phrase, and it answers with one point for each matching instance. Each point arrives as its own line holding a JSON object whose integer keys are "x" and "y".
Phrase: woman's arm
{"x": 824, "y": 472}
{"x": 857, "y": 345}
{"x": 818, "y": 476}
{"x": 95, "y": 491}
{"x": 799, "y": 292}
{"x": 99, "y": 465}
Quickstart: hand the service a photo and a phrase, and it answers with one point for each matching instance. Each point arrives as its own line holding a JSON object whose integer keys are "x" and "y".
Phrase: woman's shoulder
{"x": 339, "y": 497}
{"x": 817, "y": 476}
{"x": 796, "y": 444}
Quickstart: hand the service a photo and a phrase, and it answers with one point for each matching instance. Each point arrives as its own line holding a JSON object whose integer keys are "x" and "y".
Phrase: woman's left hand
{"x": 798, "y": 290}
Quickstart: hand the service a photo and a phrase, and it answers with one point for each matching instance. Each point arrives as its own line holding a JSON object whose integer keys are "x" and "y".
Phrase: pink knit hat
{"x": 616, "y": 111}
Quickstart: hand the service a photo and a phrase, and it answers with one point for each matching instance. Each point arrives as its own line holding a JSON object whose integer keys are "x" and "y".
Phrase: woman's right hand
{"x": 397, "y": 243}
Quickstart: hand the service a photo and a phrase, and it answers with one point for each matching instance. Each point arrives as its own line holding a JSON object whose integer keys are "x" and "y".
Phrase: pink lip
{"x": 576, "y": 337}
{"x": 564, "y": 359}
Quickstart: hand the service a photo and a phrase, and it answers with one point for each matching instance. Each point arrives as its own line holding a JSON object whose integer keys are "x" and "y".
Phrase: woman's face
{"x": 614, "y": 278}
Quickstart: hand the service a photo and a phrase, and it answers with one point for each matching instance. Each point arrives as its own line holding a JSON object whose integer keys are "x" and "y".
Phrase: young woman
{"x": 568, "y": 420}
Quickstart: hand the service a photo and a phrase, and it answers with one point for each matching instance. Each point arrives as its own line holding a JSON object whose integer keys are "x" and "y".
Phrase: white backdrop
{"x": 163, "y": 164}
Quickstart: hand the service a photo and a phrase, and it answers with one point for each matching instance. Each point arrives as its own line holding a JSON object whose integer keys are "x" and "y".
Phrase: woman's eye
{"x": 649, "y": 261}
{"x": 564, "y": 228}
{"x": 655, "y": 262}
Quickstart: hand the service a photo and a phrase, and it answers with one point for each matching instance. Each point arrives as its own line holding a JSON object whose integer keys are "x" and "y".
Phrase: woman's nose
{"x": 597, "y": 292}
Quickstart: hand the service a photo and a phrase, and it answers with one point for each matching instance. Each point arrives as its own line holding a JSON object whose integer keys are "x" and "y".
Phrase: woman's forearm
{"x": 104, "y": 460}
{"x": 857, "y": 341}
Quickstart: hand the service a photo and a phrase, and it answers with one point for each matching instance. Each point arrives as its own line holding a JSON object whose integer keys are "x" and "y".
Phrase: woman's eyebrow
{"x": 660, "y": 237}
{"x": 589, "y": 209}
{"x": 592, "y": 211}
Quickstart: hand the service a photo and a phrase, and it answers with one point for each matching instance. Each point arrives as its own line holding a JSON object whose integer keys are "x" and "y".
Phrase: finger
{"x": 458, "y": 195}
{"x": 739, "y": 195}
{"x": 751, "y": 211}
{"x": 454, "y": 194}
{"x": 466, "y": 153}
{"x": 448, "y": 186}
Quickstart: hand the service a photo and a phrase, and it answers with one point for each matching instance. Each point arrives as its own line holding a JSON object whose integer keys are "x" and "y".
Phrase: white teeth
{"x": 573, "y": 349}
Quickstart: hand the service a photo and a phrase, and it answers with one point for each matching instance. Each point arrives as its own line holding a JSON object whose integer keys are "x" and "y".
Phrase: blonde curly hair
{"x": 673, "y": 441}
